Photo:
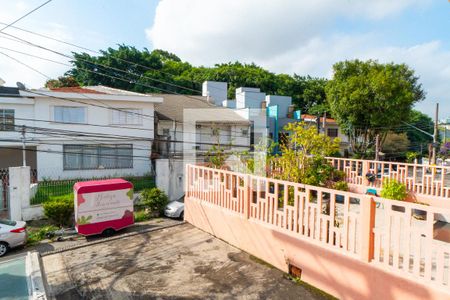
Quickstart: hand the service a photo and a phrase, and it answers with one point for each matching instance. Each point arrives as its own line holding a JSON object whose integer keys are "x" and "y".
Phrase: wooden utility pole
{"x": 377, "y": 147}
{"x": 435, "y": 135}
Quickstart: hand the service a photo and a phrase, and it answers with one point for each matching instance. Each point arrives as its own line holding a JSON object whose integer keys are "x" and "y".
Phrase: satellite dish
{"x": 21, "y": 86}
{"x": 2, "y": 82}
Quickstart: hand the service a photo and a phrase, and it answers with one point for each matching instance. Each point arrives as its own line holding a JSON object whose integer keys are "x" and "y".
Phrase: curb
{"x": 108, "y": 239}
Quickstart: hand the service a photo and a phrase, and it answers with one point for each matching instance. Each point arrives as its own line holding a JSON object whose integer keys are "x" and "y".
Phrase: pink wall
{"x": 338, "y": 274}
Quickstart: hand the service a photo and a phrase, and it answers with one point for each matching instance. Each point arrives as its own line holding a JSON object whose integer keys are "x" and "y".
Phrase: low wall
{"x": 34, "y": 212}
{"x": 340, "y": 275}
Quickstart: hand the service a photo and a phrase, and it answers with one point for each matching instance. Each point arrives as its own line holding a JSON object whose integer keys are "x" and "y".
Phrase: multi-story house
{"x": 77, "y": 131}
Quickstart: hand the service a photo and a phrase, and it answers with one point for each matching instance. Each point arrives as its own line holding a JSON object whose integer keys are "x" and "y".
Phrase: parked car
{"x": 175, "y": 209}
{"x": 12, "y": 234}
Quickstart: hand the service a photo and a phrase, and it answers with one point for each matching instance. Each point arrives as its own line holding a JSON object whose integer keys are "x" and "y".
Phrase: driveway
{"x": 179, "y": 262}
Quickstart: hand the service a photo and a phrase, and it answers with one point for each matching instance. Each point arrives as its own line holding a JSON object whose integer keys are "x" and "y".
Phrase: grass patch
{"x": 37, "y": 231}
{"x": 312, "y": 289}
{"x": 50, "y": 189}
{"x": 141, "y": 216}
{"x": 261, "y": 262}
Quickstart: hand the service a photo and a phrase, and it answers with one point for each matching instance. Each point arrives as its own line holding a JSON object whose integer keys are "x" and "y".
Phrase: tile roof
{"x": 76, "y": 89}
{"x": 311, "y": 118}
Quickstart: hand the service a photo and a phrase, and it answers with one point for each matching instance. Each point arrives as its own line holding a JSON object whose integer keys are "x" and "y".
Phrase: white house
{"x": 77, "y": 132}
{"x": 212, "y": 126}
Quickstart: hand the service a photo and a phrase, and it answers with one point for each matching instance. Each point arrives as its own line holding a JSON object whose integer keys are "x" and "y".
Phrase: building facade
{"x": 77, "y": 132}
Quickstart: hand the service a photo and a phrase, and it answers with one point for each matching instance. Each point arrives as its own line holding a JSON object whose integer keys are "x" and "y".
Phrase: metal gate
{"x": 4, "y": 193}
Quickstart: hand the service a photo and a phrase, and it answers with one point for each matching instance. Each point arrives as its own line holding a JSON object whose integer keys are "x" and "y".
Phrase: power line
{"x": 25, "y": 15}
{"x": 24, "y": 64}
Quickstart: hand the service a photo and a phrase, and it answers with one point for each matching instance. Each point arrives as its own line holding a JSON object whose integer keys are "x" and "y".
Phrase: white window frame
{"x": 85, "y": 121}
{"x": 136, "y": 114}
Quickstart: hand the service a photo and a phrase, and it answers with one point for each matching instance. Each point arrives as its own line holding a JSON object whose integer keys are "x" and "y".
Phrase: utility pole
{"x": 324, "y": 123}
{"x": 435, "y": 135}
{"x": 377, "y": 147}
{"x": 24, "y": 159}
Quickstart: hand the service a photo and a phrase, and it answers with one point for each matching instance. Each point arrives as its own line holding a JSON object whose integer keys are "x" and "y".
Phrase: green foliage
{"x": 395, "y": 144}
{"x": 141, "y": 216}
{"x": 215, "y": 157}
{"x": 411, "y": 156}
{"x": 154, "y": 200}
{"x": 303, "y": 157}
{"x": 341, "y": 186}
{"x": 62, "y": 81}
{"x": 40, "y": 234}
{"x": 392, "y": 189}
{"x": 59, "y": 210}
{"x": 368, "y": 98}
{"x": 164, "y": 72}
{"x": 419, "y": 140}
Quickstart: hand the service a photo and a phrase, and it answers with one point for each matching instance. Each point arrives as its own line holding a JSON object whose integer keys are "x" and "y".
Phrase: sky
{"x": 286, "y": 36}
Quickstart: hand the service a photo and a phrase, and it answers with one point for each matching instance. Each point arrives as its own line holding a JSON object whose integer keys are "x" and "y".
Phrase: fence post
{"x": 365, "y": 170}
{"x": 368, "y": 211}
{"x": 247, "y": 196}
{"x": 19, "y": 191}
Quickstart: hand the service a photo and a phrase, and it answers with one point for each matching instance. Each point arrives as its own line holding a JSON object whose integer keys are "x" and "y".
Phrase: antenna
{"x": 21, "y": 86}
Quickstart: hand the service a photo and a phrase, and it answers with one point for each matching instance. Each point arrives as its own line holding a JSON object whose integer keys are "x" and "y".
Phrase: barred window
{"x": 86, "y": 157}
{"x": 332, "y": 132}
{"x": 6, "y": 119}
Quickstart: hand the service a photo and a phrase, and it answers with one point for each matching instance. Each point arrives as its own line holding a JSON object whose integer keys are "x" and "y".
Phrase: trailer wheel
{"x": 108, "y": 232}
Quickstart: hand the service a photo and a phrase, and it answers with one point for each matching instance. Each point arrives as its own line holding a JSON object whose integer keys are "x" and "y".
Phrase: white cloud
{"x": 294, "y": 36}
{"x": 205, "y": 31}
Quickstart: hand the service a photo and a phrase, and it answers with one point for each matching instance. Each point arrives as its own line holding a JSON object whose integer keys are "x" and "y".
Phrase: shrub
{"x": 154, "y": 200}
{"x": 341, "y": 186}
{"x": 411, "y": 156}
{"x": 392, "y": 189}
{"x": 40, "y": 234}
{"x": 59, "y": 210}
{"x": 140, "y": 216}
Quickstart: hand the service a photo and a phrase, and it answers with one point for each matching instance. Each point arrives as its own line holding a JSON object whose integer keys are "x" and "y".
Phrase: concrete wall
{"x": 338, "y": 274}
{"x": 249, "y": 98}
{"x": 170, "y": 177}
{"x": 283, "y": 103}
{"x": 217, "y": 91}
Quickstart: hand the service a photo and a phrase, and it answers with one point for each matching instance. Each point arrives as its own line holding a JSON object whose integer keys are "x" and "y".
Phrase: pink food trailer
{"x": 103, "y": 206}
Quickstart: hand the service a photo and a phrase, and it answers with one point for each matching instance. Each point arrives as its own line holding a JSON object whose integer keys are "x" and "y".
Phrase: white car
{"x": 12, "y": 234}
{"x": 175, "y": 209}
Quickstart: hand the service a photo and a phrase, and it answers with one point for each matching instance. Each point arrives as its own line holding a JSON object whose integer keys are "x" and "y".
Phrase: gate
{"x": 4, "y": 193}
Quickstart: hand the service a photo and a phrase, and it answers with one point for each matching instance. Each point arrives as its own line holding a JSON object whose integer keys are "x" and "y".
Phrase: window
{"x": 6, "y": 119}
{"x": 86, "y": 157}
{"x": 126, "y": 116}
{"x": 332, "y": 132}
{"x": 166, "y": 131}
{"x": 69, "y": 114}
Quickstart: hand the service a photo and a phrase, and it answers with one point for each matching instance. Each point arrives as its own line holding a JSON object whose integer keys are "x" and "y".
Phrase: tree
{"x": 62, "y": 81}
{"x": 395, "y": 145}
{"x": 303, "y": 157}
{"x": 368, "y": 98}
{"x": 418, "y": 140}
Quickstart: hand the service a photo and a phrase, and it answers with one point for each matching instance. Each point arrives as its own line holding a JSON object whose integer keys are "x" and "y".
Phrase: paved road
{"x": 50, "y": 246}
{"x": 180, "y": 262}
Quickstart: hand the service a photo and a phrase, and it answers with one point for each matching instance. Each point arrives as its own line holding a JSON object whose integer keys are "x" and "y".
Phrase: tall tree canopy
{"x": 159, "y": 71}
{"x": 369, "y": 98}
